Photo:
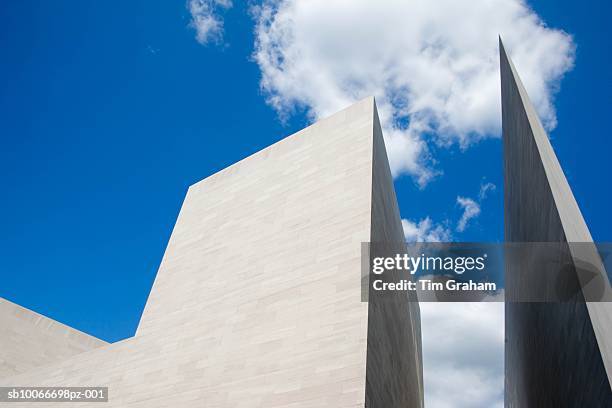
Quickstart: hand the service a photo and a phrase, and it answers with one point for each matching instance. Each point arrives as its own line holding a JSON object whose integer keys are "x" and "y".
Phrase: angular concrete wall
{"x": 257, "y": 300}
{"x": 557, "y": 354}
{"x": 28, "y": 340}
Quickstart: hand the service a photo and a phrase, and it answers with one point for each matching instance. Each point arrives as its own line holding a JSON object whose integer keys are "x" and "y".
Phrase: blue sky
{"x": 110, "y": 110}
{"x": 101, "y": 137}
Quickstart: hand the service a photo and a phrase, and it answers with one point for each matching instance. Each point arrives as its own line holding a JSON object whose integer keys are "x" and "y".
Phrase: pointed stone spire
{"x": 557, "y": 354}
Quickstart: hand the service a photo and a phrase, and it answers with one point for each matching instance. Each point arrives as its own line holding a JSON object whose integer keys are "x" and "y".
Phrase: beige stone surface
{"x": 257, "y": 300}
{"x": 28, "y": 340}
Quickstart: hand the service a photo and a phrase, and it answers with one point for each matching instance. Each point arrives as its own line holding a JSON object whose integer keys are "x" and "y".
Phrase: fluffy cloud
{"x": 463, "y": 354}
{"x": 471, "y": 209}
{"x": 433, "y": 66}
{"x": 205, "y": 19}
{"x": 425, "y": 231}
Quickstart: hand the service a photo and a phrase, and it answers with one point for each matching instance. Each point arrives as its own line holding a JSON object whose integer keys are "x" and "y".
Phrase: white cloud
{"x": 485, "y": 188}
{"x": 205, "y": 19}
{"x": 463, "y": 354}
{"x": 471, "y": 209}
{"x": 433, "y": 66}
{"x": 425, "y": 231}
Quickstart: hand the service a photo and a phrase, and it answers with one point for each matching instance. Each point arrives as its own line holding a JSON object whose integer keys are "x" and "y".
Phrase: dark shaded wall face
{"x": 394, "y": 368}
{"x": 552, "y": 358}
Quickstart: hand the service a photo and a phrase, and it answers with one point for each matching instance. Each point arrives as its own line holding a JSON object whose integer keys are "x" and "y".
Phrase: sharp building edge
{"x": 557, "y": 354}
{"x": 394, "y": 323}
{"x": 29, "y": 340}
{"x": 257, "y": 302}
